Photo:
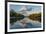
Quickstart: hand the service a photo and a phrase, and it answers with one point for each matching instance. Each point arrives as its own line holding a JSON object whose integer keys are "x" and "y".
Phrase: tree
{"x": 36, "y": 17}
{"x": 12, "y": 13}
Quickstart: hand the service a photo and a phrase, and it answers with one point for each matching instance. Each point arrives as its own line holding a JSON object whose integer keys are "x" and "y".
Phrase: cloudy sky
{"x": 18, "y": 7}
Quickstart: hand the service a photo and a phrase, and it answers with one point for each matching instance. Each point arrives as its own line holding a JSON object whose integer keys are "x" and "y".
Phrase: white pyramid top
{"x": 24, "y": 8}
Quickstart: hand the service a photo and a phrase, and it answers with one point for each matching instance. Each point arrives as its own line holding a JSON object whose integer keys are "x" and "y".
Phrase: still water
{"x": 21, "y": 23}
